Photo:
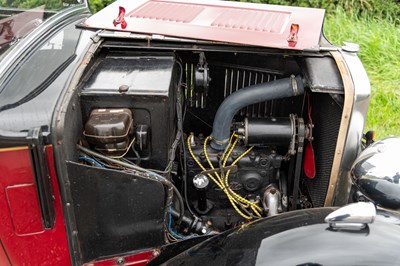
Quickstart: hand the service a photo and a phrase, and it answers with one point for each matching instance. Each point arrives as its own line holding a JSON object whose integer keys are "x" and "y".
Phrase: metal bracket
{"x": 299, "y": 157}
{"x": 41, "y": 175}
{"x": 294, "y": 85}
{"x": 232, "y": 168}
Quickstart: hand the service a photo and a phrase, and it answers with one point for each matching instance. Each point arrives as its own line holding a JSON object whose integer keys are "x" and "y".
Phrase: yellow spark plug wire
{"x": 220, "y": 185}
{"x": 199, "y": 163}
{"x": 245, "y": 203}
{"x": 253, "y": 205}
{"x": 232, "y": 146}
{"x": 226, "y": 188}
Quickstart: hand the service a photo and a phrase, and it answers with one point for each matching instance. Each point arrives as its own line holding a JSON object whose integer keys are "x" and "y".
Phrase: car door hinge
{"x": 40, "y": 169}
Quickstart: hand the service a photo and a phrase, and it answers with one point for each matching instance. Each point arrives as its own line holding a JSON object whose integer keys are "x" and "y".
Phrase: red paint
{"x": 309, "y": 158}
{"x": 309, "y": 161}
{"x": 139, "y": 259}
{"x": 47, "y": 247}
{"x": 120, "y": 19}
{"x": 293, "y": 35}
{"x": 222, "y": 21}
{"x": 4, "y": 261}
{"x": 24, "y": 208}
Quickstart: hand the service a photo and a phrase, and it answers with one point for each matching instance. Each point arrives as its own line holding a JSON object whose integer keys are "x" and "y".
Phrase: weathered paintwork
{"x": 22, "y": 235}
{"x": 229, "y": 22}
{"x": 23, "y": 240}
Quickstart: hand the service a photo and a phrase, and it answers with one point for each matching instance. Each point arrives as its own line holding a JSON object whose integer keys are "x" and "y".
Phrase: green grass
{"x": 380, "y": 53}
{"x": 375, "y": 25}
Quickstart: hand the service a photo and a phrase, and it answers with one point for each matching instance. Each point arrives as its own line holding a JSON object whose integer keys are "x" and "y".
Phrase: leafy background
{"x": 49, "y": 4}
{"x": 373, "y": 24}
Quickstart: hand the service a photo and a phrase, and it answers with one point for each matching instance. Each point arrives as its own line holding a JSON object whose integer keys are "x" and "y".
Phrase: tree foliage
{"x": 29, "y": 4}
{"x": 96, "y": 5}
{"x": 380, "y": 9}
{"x": 386, "y": 9}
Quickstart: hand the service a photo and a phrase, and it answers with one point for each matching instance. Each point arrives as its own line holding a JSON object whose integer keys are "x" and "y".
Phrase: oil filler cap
{"x": 201, "y": 182}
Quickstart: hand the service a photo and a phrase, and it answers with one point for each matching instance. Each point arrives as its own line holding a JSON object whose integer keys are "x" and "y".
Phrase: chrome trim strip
{"x": 340, "y": 183}
{"x": 344, "y": 125}
{"x": 362, "y": 92}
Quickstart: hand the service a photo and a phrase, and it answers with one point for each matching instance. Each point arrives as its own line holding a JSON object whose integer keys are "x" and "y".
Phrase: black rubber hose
{"x": 196, "y": 225}
{"x": 262, "y": 92}
{"x": 186, "y": 220}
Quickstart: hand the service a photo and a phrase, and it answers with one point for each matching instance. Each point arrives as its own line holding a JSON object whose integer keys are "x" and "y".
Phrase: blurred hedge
{"x": 27, "y": 4}
{"x": 380, "y": 9}
{"x": 96, "y": 5}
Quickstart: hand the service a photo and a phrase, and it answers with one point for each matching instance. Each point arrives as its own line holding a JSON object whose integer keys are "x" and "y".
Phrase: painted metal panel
{"x": 24, "y": 207}
{"x": 18, "y": 26}
{"x": 228, "y": 22}
{"x": 3, "y": 256}
{"x": 138, "y": 259}
{"x": 47, "y": 247}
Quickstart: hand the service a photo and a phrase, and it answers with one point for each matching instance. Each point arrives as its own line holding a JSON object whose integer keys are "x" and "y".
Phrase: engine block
{"x": 254, "y": 173}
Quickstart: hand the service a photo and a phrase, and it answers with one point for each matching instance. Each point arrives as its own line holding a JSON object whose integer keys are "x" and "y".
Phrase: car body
{"x": 103, "y": 125}
{"x": 305, "y": 240}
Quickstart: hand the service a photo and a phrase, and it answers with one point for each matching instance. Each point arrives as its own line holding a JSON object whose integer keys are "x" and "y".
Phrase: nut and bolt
{"x": 156, "y": 253}
{"x": 123, "y": 88}
{"x": 120, "y": 261}
{"x": 203, "y": 230}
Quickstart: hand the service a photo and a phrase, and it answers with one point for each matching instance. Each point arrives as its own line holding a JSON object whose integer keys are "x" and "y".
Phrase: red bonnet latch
{"x": 293, "y": 35}
{"x": 121, "y": 18}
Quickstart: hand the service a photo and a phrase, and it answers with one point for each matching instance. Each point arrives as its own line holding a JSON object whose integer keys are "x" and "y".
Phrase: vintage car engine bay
{"x": 163, "y": 145}
{"x": 189, "y": 132}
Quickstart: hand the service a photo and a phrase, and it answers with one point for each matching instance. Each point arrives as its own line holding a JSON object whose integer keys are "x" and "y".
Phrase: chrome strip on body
{"x": 362, "y": 91}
